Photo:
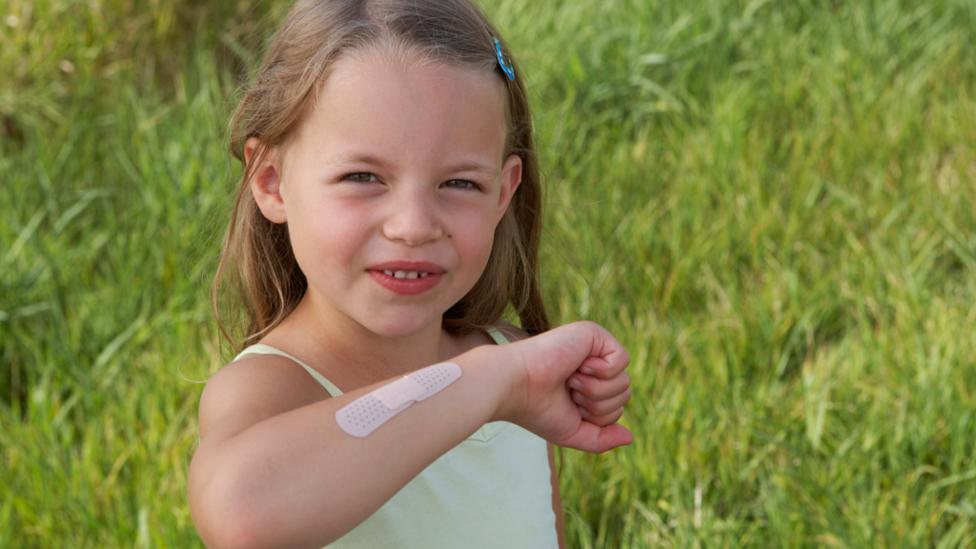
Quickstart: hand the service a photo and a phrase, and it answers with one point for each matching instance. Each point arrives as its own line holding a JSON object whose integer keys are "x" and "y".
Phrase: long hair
{"x": 257, "y": 266}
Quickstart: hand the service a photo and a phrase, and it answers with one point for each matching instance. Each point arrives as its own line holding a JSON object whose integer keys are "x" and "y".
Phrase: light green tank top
{"x": 491, "y": 491}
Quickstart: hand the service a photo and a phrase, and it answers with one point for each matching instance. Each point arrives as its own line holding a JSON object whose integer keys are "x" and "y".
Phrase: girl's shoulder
{"x": 510, "y": 331}
{"x": 499, "y": 333}
{"x": 251, "y": 389}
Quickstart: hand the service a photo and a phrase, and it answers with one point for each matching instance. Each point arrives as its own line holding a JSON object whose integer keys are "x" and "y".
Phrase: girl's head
{"x": 281, "y": 114}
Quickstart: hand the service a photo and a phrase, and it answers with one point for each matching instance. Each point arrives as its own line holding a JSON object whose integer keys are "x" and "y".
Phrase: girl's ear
{"x": 511, "y": 178}
{"x": 266, "y": 181}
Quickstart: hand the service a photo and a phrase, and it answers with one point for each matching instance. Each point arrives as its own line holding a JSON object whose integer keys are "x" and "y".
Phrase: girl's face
{"x": 398, "y": 166}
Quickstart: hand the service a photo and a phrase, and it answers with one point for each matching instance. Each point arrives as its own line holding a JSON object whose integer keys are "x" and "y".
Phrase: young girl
{"x": 387, "y": 216}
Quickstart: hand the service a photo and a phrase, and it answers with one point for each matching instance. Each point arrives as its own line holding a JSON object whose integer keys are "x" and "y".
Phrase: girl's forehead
{"x": 394, "y": 103}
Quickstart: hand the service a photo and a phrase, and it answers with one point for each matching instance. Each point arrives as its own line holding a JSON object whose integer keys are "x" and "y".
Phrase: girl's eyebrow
{"x": 471, "y": 166}
{"x": 373, "y": 160}
{"x": 358, "y": 158}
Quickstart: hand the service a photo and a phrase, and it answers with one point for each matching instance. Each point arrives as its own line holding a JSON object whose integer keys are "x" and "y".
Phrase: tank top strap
{"x": 262, "y": 349}
{"x": 496, "y": 335}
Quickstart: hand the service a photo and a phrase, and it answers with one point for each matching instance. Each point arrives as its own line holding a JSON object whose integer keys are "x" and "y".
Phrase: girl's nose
{"x": 413, "y": 220}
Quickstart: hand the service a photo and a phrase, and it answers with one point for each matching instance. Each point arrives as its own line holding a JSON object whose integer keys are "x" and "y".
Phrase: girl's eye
{"x": 463, "y": 184}
{"x": 360, "y": 177}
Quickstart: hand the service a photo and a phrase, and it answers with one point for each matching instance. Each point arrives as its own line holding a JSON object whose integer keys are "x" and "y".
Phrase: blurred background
{"x": 771, "y": 203}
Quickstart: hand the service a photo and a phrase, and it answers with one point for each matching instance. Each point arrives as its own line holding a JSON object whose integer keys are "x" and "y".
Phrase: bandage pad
{"x": 363, "y": 415}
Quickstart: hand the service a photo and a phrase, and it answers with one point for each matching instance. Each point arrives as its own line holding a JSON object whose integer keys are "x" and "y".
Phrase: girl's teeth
{"x": 409, "y": 275}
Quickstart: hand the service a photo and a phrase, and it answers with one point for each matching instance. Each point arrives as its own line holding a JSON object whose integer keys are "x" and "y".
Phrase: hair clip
{"x": 505, "y": 65}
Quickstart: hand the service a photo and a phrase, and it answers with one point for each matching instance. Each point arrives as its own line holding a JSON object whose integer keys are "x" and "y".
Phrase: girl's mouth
{"x": 406, "y": 282}
{"x": 410, "y": 275}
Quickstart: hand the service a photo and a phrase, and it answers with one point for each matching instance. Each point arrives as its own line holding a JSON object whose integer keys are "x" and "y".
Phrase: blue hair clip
{"x": 505, "y": 65}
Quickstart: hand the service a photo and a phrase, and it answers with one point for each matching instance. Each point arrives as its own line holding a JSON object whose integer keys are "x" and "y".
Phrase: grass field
{"x": 772, "y": 204}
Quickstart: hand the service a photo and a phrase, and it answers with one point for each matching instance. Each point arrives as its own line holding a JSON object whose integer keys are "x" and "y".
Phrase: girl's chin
{"x": 399, "y": 327}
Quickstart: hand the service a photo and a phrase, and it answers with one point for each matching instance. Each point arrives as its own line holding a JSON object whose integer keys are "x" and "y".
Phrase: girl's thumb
{"x": 593, "y": 438}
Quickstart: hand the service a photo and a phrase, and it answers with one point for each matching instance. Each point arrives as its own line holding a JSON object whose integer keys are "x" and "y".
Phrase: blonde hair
{"x": 257, "y": 265}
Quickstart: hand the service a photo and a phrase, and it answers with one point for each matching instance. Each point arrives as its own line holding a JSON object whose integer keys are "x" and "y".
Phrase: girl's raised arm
{"x": 296, "y": 478}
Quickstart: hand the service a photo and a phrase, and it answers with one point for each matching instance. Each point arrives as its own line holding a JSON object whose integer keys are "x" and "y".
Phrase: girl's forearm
{"x": 298, "y": 479}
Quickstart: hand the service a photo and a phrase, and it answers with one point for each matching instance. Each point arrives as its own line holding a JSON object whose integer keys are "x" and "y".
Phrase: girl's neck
{"x": 346, "y": 350}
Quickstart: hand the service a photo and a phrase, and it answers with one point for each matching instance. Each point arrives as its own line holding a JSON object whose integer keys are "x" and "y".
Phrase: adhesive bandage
{"x": 363, "y": 415}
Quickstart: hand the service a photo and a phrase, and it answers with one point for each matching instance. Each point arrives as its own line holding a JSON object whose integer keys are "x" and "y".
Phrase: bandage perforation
{"x": 363, "y": 415}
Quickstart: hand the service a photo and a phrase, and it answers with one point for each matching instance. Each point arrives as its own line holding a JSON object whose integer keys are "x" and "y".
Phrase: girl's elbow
{"x": 222, "y": 516}
{"x": 224, "y": 525}
{"x": 228, "y": 536}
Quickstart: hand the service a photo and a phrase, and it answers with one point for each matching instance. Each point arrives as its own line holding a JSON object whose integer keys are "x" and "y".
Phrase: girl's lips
{"x": 405, "y": 286}
{"x": 402, "y": 265}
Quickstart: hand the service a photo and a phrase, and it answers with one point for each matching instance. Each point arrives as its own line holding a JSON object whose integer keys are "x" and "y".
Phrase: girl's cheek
{"x": 477, "y": 237}
{"x": 340, "y": 223}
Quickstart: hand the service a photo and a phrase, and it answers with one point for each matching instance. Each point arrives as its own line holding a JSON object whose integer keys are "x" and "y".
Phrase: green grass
{"x": 770, "y": 203}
